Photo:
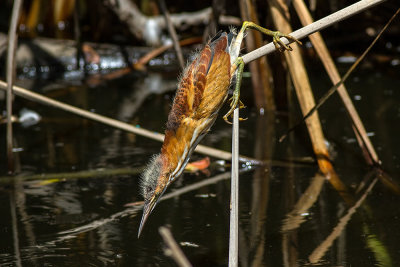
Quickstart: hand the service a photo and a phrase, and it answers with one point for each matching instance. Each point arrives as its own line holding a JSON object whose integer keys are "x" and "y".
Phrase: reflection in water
{"x": 263, "y": 149}
{"x": 319, "y": 252}
{"x": 67, "y": 202}
{"x": 151, "y": 84}
{"x": 74, "y": 213}
{"x": 300, "y": 211}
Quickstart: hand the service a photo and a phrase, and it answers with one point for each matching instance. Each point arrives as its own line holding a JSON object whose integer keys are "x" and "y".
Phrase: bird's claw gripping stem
{"x": 276, "y": 36}
{"x": 281, "y": 46}
{"x": 235, "y": 101}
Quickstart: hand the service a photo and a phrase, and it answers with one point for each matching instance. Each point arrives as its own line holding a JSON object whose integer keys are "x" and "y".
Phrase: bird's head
{"x": 154, "y": 182}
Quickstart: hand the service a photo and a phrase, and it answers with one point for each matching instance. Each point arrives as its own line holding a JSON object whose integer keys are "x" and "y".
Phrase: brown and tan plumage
{"x": 201, "y": 92}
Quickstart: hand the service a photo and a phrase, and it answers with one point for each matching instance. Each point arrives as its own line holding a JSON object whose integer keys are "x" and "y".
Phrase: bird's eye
{"x": 148, "y": 190}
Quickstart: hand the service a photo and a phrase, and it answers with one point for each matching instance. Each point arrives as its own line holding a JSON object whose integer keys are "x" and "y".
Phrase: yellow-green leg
{"x": 235, "y": 99}
{"x": 276, "y": 35}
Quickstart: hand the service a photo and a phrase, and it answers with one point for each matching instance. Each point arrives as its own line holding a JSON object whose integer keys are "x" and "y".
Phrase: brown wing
{"x": 217, "y": 80}
{"x": 189, "y": 95}
{"x": 199, "y": 76}
{"x": 190, "y": 89}
{"x": 196, "y": 103}
{"x": 180, "y": 105}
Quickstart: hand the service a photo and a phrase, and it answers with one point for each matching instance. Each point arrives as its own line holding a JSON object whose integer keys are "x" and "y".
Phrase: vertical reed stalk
{"x": 12, "y": 44}
{"x": 260, "y": 71}
{"x": 234, "y": 218}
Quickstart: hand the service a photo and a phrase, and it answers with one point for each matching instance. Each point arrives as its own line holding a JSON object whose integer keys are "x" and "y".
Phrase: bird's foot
{"x": 235, "y": 102}
{"x": 281, "y": 46}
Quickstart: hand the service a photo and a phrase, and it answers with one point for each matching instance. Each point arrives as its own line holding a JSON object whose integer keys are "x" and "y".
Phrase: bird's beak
{"x": 148, "y": 208}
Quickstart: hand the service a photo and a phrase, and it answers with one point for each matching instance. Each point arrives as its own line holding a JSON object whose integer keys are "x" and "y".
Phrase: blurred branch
{"x": 149, "y": 28}
{"x": 116, "y": 123}
{"x": 47, "y": 178}
{"x": 172, "y": 32}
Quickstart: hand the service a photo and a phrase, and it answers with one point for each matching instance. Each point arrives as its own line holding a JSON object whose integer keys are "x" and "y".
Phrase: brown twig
{"x": 316, "y": 39}
{"x": 173, "y": 250}
{"x": 62, "y": 176}
{"x": 333, "y": 89}
{"x": 138, "y": 23}
{"x": 172, "y": 32}
{"x": 139, "y": 65}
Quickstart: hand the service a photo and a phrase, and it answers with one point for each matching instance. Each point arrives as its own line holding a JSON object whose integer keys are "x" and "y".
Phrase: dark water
{"x": 64, "y": 220}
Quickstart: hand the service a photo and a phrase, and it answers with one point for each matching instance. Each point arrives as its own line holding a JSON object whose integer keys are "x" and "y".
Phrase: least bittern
{"x": 201, "y": 92}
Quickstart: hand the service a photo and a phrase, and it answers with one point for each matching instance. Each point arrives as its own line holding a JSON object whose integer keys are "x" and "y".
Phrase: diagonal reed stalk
{"x": 324, "y": 55}
{"x": 306, "y": 100}
{"x": 362, "y": 138}
{"x": 172, "y": 32}
{"x": 116, "y": 123}
{"x": 318, "y": 25}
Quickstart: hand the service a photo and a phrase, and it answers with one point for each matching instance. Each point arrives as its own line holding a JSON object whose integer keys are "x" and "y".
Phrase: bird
{"x": 201, "y": 92}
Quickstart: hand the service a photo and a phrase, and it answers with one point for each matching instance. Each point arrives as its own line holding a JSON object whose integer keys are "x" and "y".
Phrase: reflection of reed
{"x": 152, "y": 84}
{"x": 173, "y": 250}
{"x": 134, "y": 209}
{"x": 299, "y": 76}
{"x": 290, "y": 240}
{"x": 15, "y": 230}
{"x": 296, "y": 217}
{"x": 320, "y": 251}
{"x": 263, "y": 149}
